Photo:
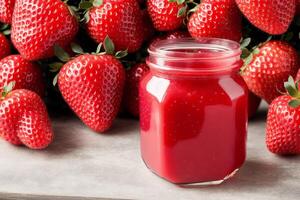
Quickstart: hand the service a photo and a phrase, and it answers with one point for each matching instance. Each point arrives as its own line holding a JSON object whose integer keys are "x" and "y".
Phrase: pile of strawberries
{"x": 44, "y": 40}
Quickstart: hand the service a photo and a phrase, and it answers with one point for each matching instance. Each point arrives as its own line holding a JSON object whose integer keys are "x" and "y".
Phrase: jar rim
{"x": 214, "y": 48}
{"x": 194, "y": 55}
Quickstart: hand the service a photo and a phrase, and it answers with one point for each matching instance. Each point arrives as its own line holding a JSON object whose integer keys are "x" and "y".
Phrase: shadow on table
{"x": 66, "y": 138}
{"x": 123, "y": 127}
{"x": 69, "y": 132}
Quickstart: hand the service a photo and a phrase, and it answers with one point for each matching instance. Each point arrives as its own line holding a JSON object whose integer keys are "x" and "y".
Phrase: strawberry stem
{"x": 109, "y": 48}
{"x": 293, "y": 90}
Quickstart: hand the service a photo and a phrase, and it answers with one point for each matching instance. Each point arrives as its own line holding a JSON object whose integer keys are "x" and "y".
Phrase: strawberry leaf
{"x": 255, "y": 51}
{"x": 85, "y": 5}
{"x": 55, "y": 80}
{"x": 245, "y": 53}
{"x": 245, "y": 43}
{"x": 73, "y": 12}
{"x": 86, "y": 17}
{"x": 7, "y": 89}
{"x": 292, "y": 91}
{"x": 55, "y": 67}
{"x": 182, "y": 11}
{"x": 6, "y": 32}
{"x": 109, "y": 46}
{"x": 61, "y": 54}
{"x": 248, "y": 60}
{"x": 294, "y": 103}
{"x": 291, "y": 87}
{"x": 99, "y": 47}
{"x": 121, "y": 54}
{"x": 97, "y": 3}
{"x": 4, "y": 27}
{"x": 76, "y": 48}
{"x": 179, "y": 2}
{"x": 268, "y": 39}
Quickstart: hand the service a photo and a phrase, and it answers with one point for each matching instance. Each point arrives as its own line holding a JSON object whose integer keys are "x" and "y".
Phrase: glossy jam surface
{"x": 193, "y": 128}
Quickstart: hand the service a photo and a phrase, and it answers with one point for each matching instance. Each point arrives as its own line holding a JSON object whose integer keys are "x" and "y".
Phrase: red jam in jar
{"x": 193, "y": 110}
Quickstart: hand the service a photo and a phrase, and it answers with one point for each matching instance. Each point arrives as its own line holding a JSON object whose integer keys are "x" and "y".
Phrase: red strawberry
{"x": 24, "y": 119}
{"x": 271, "y": 16}
{"x": 38, "y": 25}
{"x": 92, "y": 85}
{"x": 216, "y": 18}
{"x": 283, "y": 122}
{"x": 131, "y": 94}
{"x": 269, "y": 66}
{"x": 164, "y": 14}
{"x": 121, "y": 20}
{"x": 253, "y": 104}
{"x": 26, "y": 74}
{"x": 6, "y": 11}
{"x": 4, "y": 46}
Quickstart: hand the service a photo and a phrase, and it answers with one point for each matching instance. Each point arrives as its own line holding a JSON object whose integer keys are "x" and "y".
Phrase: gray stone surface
{"x": 81, "y": 163}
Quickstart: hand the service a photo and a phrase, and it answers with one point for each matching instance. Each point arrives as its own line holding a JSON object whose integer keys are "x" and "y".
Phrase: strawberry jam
{"x": 193, "y": 110}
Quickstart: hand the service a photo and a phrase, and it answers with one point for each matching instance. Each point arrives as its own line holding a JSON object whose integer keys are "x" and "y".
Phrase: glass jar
{"x": 193, "y": 110}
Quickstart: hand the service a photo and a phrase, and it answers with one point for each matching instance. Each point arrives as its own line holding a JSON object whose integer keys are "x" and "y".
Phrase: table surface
{"x": 81, "y": 164}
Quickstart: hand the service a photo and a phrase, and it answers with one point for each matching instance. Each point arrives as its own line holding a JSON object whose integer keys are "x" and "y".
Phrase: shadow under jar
{"x": 193, "y": 111}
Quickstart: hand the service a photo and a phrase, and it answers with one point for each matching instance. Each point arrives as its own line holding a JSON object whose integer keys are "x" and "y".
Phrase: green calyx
{"x": 109, "y": 48}
{"x": 7, "y": 89}
{"x": 63, "y": 57}
{"x": 86, "y": 5}
{"x": 61, "y": 54}
{"x": 188, "y": 7}
{"x": 293, "y": 90}
{"x": 5, "y": 29}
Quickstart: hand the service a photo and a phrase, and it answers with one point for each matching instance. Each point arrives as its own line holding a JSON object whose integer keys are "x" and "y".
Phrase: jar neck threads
{"x": 205, "y": 56}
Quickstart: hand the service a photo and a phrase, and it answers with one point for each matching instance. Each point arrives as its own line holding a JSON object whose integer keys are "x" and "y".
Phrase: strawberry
{"x": 166, "y": 15}
{"x": 253, "y": 104}
{"x": 268, "y": 67}
{"x": 92, "y": 85}
{"x": 4, "y": 46}
{"x": 38, "y": 25}
{"x": 6, "y": 10}
{"x": 27, "y": 75}
{"x": 216, "y": 18}
{"x": 131, "y": 94}
{"x": 24, "y": 119}
{"x": 121, "y": 20}
{"x": 271, "y": 16}
{"x": 283, "y": 122}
